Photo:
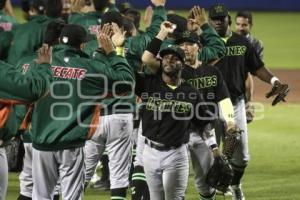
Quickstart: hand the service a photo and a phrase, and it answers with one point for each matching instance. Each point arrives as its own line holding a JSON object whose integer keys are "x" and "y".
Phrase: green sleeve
{"x": 136, "y": 45}
{"x": 15, "y": 86}
{"x": 118, "y": 70}
{"x": 213, "y": 46}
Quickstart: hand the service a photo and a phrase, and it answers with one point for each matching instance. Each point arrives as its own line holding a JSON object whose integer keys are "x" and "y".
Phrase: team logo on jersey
{"x": 6, "y": 26}
{"x": 94, "y": 29}
{"x": 25, "y": 68}
{"x": 204, "y": 82}
{"x": 165, "y": 105}
{"x": 68, "y": 72}
{"x": 236, "y": 50}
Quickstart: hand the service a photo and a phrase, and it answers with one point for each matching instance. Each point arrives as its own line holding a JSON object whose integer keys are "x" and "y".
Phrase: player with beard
{"x": 241, "y": 58}
{"x": 209, "y": 81}
{"x": 169, "y": 108}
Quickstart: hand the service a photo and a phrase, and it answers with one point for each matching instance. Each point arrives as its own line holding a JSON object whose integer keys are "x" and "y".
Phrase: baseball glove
{"x": 220, "y": 174}
{"x": 232, "y": 137}
{"x": 279, "y": 89}
{"x": 15, "y": 152}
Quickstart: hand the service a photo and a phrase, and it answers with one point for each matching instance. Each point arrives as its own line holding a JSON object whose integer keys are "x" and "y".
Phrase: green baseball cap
{"x": 218, "y": 10}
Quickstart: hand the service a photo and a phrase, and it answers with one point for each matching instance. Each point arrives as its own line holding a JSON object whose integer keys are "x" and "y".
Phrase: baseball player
{"x": 240, "y": 59}
{"x": 24, "y": 90}
{"x": 8, "y": 129}
{"x": 121, "y": 108}
{"x": 213, "y": 49}
{"x": 66, "y": 151}
{"x": 65, "y": 137}
{"x": 91, "y": 19}
{"x": 165, "y": 125}
{"x": 28, "y": 37}
{"x": 244, "y": 23}
{"x": 52, "y": 34}
{"x": 209, "y": 81}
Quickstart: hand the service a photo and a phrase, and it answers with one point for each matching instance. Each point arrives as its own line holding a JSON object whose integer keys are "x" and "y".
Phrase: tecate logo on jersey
{"x": 68, "y": 72}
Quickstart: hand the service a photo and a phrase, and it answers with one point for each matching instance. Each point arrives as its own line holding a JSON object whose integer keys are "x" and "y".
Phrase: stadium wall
{"x": 263, "y": 5}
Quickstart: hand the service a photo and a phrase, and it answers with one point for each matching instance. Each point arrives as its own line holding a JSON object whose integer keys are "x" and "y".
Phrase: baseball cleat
{"x": 237, "y": 193}
{"x": 228, "y": 193}
{"x": 101, "y": 185}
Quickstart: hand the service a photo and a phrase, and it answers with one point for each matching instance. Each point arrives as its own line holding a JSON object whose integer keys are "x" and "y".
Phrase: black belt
{"x": 160, "y": 147}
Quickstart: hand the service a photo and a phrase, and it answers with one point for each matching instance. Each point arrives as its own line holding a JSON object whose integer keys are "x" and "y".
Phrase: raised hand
{"x": 199, "y": 15}
{"x": 105, "y": 42}
{"x": 196, "y": 19}
{"x": 118, "y": 37}
{"x": 77, "y": 5}
{"x": 165, "y": 28}
{"x": 148, "y": 16}
{"x": 159, "y": 2}
{"x": 44, "y": 55}
{"x": 106, "y": 29}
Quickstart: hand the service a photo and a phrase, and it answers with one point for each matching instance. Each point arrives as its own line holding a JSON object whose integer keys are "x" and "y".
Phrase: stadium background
{"x": 273, "y": 171}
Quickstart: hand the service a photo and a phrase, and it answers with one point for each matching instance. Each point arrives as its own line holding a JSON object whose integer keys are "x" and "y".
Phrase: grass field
{"x": 277, "y": 30}
{"x": 274, "y": 169}
{"x": 273, "y": 172}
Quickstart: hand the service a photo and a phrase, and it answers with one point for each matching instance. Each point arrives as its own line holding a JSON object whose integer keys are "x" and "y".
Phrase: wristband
{"x": 154, "y": 46}
{"x": 120, "y": 51}
{"x": 273, "y": 79}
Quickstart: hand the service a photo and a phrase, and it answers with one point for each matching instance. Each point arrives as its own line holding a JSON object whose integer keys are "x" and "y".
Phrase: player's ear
{"x": 82, "y": 46}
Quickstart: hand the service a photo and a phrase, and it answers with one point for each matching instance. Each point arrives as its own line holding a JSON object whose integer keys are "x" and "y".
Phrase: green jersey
{"x": 18, "y": 89}
{"x": 25, "y": 66}
{"x": 28, "y": 38}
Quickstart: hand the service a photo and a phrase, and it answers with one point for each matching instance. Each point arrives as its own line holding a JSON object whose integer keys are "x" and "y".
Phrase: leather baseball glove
{"x": 232, "y": 137}
{"x": 279, "y": 89}
{"x": 15, "y": 152}
{"x": 220, "y": 174}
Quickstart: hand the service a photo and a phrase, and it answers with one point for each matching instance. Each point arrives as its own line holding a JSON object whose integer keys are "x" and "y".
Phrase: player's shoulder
{"x": 239, "y": 38}
{"x": 256, "y": 41}
{"x": 148, "y": 76}
{"x": 210, "y": 69}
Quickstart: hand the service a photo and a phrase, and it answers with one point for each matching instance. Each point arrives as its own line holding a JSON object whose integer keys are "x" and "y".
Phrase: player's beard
{"x": 173, "y": 74}
{"x": 243, "y": 32}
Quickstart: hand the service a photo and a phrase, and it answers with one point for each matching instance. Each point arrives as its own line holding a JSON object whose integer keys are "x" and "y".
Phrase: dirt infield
{"x": 292, "y": 77}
